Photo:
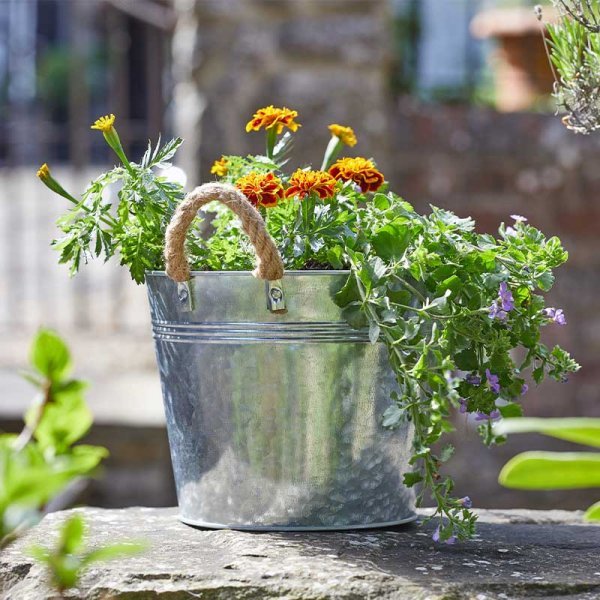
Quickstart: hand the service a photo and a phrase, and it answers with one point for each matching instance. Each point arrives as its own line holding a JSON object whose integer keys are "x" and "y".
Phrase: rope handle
{"x": 269, "y": 264}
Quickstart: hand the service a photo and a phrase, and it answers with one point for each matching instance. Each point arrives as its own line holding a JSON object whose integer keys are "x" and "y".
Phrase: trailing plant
{"x": 450, "y": 304}
{"x": 555, "y": 470}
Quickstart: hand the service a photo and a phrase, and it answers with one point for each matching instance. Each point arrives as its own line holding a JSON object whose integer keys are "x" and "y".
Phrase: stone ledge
{"x": 517, "y": 554}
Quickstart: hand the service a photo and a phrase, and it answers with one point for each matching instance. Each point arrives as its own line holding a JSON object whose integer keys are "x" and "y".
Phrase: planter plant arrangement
{"x": 450, "y": 305}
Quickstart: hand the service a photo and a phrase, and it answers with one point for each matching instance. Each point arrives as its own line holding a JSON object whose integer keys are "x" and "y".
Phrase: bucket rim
{"x": 308, "y": 272}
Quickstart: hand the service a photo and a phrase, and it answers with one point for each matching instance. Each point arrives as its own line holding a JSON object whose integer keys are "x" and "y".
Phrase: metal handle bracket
{"x": 275, "y": 296}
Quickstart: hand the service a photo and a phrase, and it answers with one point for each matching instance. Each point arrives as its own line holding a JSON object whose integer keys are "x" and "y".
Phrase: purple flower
{"x": 510, "y": 231}
{"x": 518, "y": 218}
{"x": 463, "y": 406}
{"x": 556, "y": 314}
{"x": 496, "y": 312}
{"x": 492, "y": 381}
{"x": 493, "y": 416}
{"x": 436, "y": 537}
{"x": 506, "y": 297}
{"x": 473, "y": 379}
{"x": 524, "y": 389}
{"x": 466, "y": 502}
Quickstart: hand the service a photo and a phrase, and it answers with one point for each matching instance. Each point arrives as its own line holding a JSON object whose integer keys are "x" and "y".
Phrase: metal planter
{"x": 274, "y": 420}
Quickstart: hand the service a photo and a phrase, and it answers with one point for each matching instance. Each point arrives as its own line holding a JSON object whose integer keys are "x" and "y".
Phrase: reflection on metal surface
{"x": 274, "y": 419}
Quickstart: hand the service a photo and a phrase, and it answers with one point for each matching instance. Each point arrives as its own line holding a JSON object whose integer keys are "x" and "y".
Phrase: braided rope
{"x": 269, "y": 265}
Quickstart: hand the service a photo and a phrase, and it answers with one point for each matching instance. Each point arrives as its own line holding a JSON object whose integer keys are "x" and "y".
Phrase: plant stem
{"x": 28, "y": 431}
{"x": 271, "y": 139}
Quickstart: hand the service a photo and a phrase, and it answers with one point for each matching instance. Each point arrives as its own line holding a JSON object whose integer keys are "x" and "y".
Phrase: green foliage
{"x": 39, "y": 463}
{"x": 555, "y": 470}
{"x": 67, "y": 561}
{"x": 133, "y": 226}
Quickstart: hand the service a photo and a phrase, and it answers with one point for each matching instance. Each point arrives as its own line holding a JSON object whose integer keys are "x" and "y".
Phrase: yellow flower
{"x": 271, "y": 117}
{"x": 261, "y": 189}
{"x": 219, "y": 167}
{"x": 104, "y": 124}
{"x": 303, "y": 183}
{"x": 43, "y": 172}
{"x": 345, "y": 134}
{"x": 360, "y": 170}
{"x": 46, "y": 178}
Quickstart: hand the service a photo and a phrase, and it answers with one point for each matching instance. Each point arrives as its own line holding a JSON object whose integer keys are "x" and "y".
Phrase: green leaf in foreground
{"x": 593, "y": 512}
{"x": 579, "y": 430}
{"x": 50, "y": 355}
{"x": 552, "y": 471}
{"x": 67, "y": 561}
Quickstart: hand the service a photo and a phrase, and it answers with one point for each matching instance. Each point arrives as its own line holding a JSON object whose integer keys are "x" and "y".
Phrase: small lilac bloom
{"x": 492, "y": 381}
{"x": 473, "y": 379}
{"x": 559, "y": 317}
{"x": 556, "y": 314}
{"x": 506, "y": 297}
{"x": 510, "y": 231}
{"x": 466, "y": 502}
{"x": 518, "y": 218}
{"x": 436, "y": 537}
{"x": 493, "y": 416}
{"x": 496, "y": 312}
{"x": 463, "y": 406}
{"x": 524, "y": 389}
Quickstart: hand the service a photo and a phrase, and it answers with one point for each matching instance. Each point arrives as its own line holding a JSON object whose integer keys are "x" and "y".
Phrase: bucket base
{"x": 206, "y": 525}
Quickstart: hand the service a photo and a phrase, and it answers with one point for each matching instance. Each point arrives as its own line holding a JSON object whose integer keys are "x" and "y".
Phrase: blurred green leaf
{"x": 580, "y": 430}
{"x": 71, "y": 535}
{"x": 114, "y": 551}
{"x": 50, "y": 355}
{"x": 552, "y": 471}
{"x": 593, "y": 512}
{"x": 65, "y": 421}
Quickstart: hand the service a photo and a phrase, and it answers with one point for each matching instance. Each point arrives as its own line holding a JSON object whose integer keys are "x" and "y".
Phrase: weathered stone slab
{"x": 517, "y": 555}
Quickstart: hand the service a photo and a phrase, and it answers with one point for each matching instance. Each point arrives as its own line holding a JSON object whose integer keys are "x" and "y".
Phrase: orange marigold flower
{"x": 345, "y": 134}
{"x": 360, "y": 170}
{"x": 303, "y": 183}
{"x": 219, "y": 167}
{"x": 261, "y": 189}
{"x": 270, "y": 117}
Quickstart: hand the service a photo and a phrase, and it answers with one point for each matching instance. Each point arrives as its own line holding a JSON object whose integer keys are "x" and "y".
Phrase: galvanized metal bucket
{"x": 274, "y": 418}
